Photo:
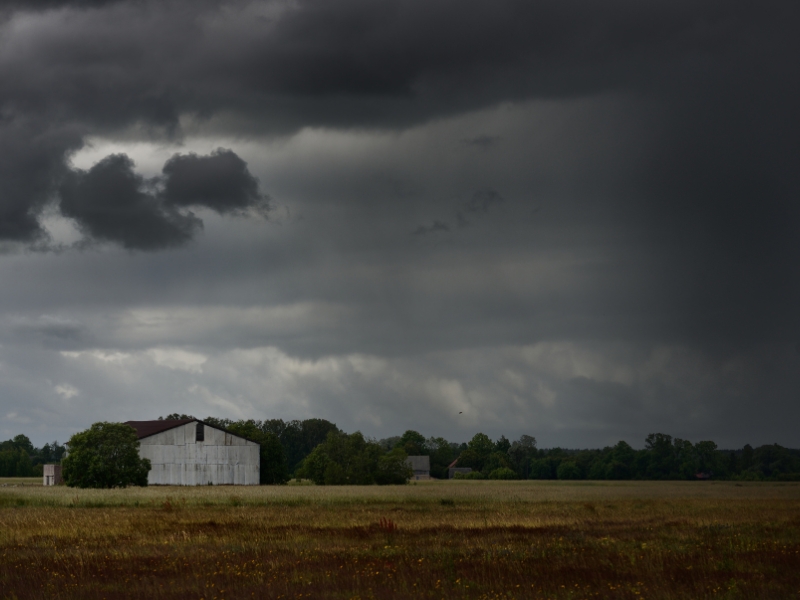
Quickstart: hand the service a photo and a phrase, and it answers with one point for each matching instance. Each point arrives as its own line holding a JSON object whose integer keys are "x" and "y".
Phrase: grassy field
{"x": 468, "y": 539}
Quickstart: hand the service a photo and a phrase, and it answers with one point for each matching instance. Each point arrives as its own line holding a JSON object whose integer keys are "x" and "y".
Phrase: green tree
{"x": 661, "y": 457}
{"x": 686, "y": 461}
{"x": 496, "y": 460}
{"x": 623, "y": 453}
{"x": 617, "y": 470}
{"x": 774, "y": 462}
{"x": 19, "y": 458}
{"x": 520, "y": 453}
{"x": 392, "y": 468}
{"x": 23, "y": 442}
{"x": 708, "y": 460}
{"x": 15, "y": 462}
{"x": 442, "y": 455}
{"x": 413, "y": 443}
{"x": 390, "y": 442}
{"x": 24, "y": 466}
{"x": 747, "y": 458}
{"x": 482, "y": 445}
{"x": 298, "y": 438}
{"x": 569, "y": 470}
{"x": 470, "y": 459}
{"x": 502, "y": 445}
{"x": 541, "y": 468}
{"x": 274, "y": 470}
{"x": 353, "y": 460}
{"x": 50, "y": 453}
{"x": 8, "y": 463}
{"x": 105, "y": 456}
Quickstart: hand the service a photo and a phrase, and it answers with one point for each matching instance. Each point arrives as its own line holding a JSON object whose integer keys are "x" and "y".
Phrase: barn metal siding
{"x": 221, "y": 459}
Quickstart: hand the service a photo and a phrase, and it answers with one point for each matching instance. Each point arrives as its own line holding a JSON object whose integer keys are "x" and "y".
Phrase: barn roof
{"x": 419, "y": 463}
{"x": 147, "y": 428}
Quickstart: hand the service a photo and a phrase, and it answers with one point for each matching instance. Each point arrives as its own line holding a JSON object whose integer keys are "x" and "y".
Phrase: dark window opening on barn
{"x": 200, "y": 434}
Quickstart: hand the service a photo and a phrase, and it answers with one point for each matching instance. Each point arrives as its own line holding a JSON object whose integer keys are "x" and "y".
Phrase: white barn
{"x": 191, "y": 452}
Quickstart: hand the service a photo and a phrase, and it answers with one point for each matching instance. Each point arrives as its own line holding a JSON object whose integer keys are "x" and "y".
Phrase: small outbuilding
{"x": 51, "y": 475}
{"x": 192, "y": 452}
{"x": 421, "y": 466}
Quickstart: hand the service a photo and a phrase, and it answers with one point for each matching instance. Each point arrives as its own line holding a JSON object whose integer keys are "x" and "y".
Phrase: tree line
{"x": 664, "y": 457}
{"x": 19, "y": 457}
{"x": 318, "y": 450}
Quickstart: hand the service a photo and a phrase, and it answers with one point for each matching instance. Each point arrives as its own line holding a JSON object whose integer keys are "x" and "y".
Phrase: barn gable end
{"x": 179, "y": 456}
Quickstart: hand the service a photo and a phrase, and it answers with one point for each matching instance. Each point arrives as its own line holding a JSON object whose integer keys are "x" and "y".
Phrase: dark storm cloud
{"x": 357, "y": 62}
{"x": 275, "y": 67}
{"x": 220, "y": 181}
{"x": 35, "y": 5}
{"x": 110, "y": 202}
{"x": 31, "y": 162}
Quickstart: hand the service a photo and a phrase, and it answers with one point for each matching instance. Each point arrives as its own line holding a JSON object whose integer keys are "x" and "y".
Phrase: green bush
{"x": 105, "y": 456}
{"x": 470, "y": 475}
{"x": 503, "y": 473}
{"x": 749, "y": 475}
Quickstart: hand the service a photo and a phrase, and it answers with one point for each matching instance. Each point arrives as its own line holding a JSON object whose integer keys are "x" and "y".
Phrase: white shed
{"x": 191, "y": 452}
{"x": 420, "y": 465}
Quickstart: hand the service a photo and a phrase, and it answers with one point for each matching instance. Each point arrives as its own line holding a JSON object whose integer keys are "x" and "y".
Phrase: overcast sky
{"x": 576, "y": 220}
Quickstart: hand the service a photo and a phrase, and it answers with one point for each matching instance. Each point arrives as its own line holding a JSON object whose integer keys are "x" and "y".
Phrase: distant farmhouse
{"x": 452, "y": 469}
{"x": 191, "y": 452}
{"x": 421, "y": 466}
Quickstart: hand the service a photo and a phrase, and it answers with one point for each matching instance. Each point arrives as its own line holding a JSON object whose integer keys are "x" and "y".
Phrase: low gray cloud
{"x": 435, "y": 227}
{"x": 479, "y": 204}
{"x": 482, "y": 142}
{"x": 49, "y": 331}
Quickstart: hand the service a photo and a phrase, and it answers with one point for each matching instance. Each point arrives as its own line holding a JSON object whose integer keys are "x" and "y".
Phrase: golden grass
{"x": 466, "y": 539}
